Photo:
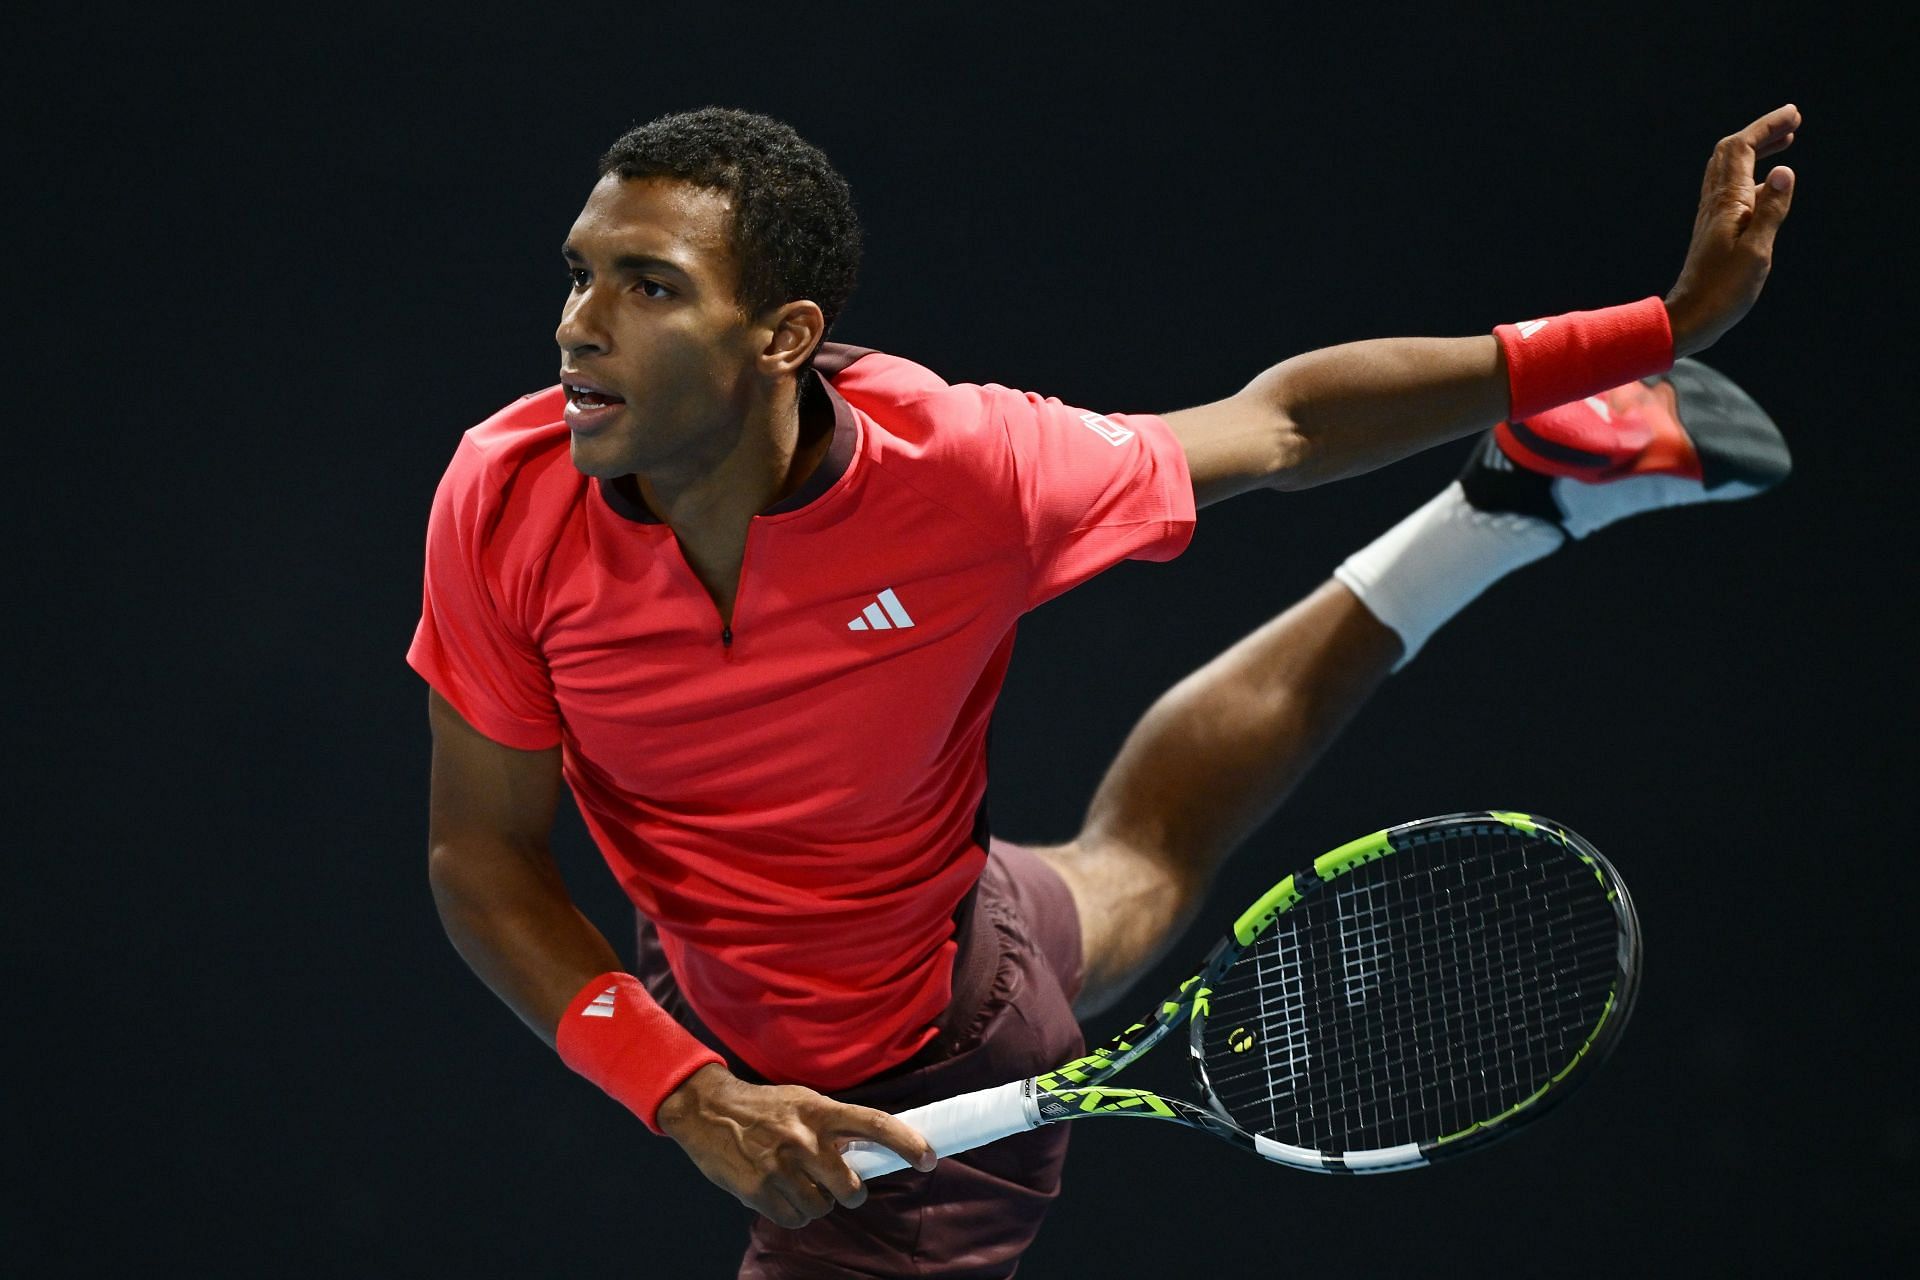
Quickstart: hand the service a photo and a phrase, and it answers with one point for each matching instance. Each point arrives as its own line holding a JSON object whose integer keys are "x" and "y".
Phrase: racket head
{"x": 1417, "y": 994}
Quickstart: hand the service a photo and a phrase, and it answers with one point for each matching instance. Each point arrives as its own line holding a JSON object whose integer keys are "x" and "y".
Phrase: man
{"x": 752, "y": 595}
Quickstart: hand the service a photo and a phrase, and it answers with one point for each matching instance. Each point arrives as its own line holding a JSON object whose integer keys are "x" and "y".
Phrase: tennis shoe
{"x": 1688, "y": 435}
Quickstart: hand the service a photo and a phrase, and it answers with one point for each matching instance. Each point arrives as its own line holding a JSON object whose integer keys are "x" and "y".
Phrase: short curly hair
{"x": 795, "y": 234}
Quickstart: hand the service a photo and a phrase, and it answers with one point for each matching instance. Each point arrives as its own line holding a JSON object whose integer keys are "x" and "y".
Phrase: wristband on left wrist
{"x": 1563, "y": 358}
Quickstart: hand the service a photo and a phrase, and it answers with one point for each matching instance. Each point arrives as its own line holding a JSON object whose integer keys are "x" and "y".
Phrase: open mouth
{"x": 591, "y": 397}
{"x": 590, "y": 408}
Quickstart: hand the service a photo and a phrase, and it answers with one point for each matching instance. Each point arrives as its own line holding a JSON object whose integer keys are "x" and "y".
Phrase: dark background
{"x": 276, "y": 266}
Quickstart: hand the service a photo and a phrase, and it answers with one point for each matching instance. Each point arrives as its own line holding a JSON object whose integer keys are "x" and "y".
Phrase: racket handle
{"x": 952, "y": 1125}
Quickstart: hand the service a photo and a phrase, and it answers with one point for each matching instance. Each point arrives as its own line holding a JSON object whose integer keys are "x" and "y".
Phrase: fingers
{"x": 773, "y": 1147}
{"x": 812, "y": 1175}
{"x": 1771, "y": 127}
{"x": 1771, "y": 199}
{"x": 781, "y": 1204}
{"x": 887, "y": 1130}
{"x": 801, "y": 1187}
{"x": 1731, "y": 169}
{"x": 813, "y": 1182}
{"x": 828, "y": 1169}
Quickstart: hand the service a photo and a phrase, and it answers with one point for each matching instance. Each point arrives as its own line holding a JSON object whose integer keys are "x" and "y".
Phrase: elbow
{"x": 465, "y": 900}
{"x": 458, "y": 878}
{"x": 443, "y": 875}
{"x": 471, "y": 874}
{"x": 1295, "y": 460}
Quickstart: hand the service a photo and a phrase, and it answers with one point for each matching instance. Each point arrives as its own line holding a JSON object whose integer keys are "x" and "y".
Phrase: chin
{"x": 591, "y": 460}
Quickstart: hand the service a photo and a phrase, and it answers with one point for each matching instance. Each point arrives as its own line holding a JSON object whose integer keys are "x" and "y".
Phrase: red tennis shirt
{"x": 797, "y": 803}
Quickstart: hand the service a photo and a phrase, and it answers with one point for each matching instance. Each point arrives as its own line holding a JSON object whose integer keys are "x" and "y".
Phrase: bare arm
{"x": 1345, "y": 410}
{"x": 500, "y": 895}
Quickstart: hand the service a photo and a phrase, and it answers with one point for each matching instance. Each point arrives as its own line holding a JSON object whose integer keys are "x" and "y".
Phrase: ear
{"x": 794, "y": 329}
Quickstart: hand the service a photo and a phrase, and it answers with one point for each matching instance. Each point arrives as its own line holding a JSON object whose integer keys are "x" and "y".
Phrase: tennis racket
{"x": 1413, "y": 995}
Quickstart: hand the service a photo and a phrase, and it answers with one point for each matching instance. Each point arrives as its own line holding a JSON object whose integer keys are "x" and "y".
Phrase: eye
{"x": 645, "y": 285}
{"x": 577, "y": 276}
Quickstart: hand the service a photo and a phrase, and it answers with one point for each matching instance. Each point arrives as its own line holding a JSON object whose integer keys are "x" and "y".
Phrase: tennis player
{"x": 752, "y": 594}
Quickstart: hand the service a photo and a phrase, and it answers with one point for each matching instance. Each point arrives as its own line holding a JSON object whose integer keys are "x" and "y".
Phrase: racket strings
{"x": 1399, "y": 1046}
{"x": 1499, "y": 1072}
{"x": 1417, "y": 996}
{"x": 1377, "y": 1036}
{"x": 1395, "y": 1031}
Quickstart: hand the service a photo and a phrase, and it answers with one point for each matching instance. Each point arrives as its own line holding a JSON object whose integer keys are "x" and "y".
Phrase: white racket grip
{"x": 952, "y": 1125}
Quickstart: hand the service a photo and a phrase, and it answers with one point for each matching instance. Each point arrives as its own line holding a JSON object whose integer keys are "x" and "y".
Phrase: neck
{"x": 772, "y": 456}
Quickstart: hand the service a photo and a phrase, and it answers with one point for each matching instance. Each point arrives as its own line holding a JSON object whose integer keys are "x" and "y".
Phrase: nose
{"x": 581, "y": 332}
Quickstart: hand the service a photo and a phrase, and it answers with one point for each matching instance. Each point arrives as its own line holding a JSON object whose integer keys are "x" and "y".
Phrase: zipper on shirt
{"x": 726, "y": 625}
{"x": 739, "y": 590}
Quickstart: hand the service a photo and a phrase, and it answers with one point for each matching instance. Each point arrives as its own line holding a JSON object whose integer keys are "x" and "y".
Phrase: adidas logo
{"x": 884, "y": 614}
{"x": 602, "y": 1006}
{"x": 1530, "y": 327}
{"x": 1106, "y": 428}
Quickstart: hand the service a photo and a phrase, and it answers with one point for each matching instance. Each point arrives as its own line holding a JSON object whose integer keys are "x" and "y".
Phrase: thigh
{"x": 1207, "y": 764}
{"x": 977, "y": 1212}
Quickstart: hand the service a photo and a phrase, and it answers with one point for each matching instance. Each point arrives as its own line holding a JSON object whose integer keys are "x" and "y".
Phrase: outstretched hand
{"x": 1732, "y": 248}
{"x": 777, "y": 1148}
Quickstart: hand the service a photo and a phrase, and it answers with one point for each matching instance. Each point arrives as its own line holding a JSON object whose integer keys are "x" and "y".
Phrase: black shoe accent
{"x": 1494, "y": 482}
{"x": 1736, "y": 440}
{"x": 1554, "y": 451}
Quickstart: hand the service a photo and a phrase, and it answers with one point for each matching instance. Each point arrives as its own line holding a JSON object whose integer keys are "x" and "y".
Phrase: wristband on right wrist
{"x": 616, "y": 1036}
{"x": 1582, "y": 353}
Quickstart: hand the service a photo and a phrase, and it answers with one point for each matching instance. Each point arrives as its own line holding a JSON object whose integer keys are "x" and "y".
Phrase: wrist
{"x": 688, "y": 1099}
{"x": 1689, "y": 337}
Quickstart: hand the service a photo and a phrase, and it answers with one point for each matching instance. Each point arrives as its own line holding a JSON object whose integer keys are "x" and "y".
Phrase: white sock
{"x": 1434, "y": 563}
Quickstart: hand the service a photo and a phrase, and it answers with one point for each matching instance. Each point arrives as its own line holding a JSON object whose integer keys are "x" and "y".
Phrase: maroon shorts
{"x": 1014, "y": 982}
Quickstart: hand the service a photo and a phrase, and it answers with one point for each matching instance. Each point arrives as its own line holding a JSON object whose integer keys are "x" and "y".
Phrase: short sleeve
{"x": 465, "y": 645}
{"x": 1094, "y": 489}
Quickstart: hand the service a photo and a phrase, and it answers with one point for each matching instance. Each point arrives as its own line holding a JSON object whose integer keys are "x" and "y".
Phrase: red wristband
{"x": 1582, "y": 353}
{"x": 616, "y": 1036}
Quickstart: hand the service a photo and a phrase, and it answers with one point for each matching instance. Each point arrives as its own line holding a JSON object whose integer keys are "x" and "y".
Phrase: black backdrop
{"x": 277, "y": 266}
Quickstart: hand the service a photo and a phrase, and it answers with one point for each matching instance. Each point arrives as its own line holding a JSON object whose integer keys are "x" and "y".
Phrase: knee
{"x": 1134, "y": 877}
{"x": 1132, "y": 904}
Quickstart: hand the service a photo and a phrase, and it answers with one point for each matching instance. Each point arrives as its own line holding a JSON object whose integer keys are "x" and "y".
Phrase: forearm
{"x": 1362, "y": 405}
{"x": 508, "y": 914}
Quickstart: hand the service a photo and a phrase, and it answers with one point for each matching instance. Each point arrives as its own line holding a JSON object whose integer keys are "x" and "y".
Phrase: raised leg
{"x": 1207, "y": 764}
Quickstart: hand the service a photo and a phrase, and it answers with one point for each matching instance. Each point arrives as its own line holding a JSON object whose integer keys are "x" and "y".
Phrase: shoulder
{"x": 518, "y": 457}
{"x": 877, "y": 383}
{"x": 981, "y": 427}
{"x": 919, "y": 414}
{"x": 526, "y": 434}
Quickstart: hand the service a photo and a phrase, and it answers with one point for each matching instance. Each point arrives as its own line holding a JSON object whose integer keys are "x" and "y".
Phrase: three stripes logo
{"x": 886, "y": 613}
{"x": 1530, "y": 327}
{"x": 602, "y": 1006}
